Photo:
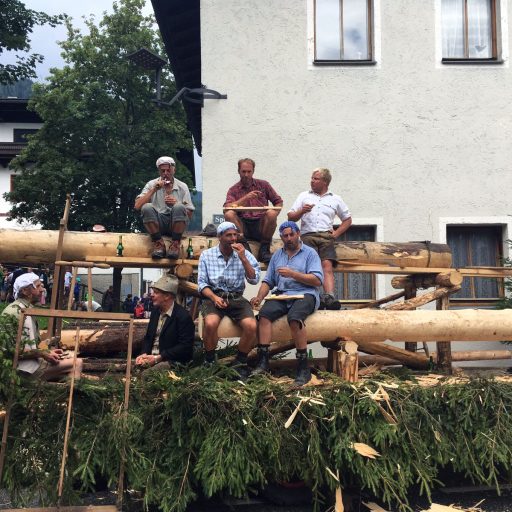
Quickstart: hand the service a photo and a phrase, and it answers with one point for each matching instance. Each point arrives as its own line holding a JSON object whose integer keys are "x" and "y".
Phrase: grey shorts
{"x": 323, "y": 245}
{"x": 238, "y": 308}
{"x": 295, "y": 310}
{"x": 178, "y": 213}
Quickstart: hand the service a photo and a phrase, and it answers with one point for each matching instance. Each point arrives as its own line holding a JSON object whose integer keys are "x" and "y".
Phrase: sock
{"x": 263, "y": 348}
{"x": 156, "y": 236}
{"x": 209, "y": 356}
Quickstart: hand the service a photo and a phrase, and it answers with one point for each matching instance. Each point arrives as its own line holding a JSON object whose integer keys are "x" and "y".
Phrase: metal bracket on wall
{"x": 187, "y": 94}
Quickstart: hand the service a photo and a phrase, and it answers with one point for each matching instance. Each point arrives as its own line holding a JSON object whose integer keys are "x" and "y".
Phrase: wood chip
{"x": 289, "y": 421}
{"x": 338, "y": 507}
{"x": 434, "y": 507}
{"x": 365, "y": 450}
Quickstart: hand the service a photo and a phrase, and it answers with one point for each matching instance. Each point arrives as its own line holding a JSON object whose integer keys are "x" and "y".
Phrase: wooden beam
{"x": 451, "y": 278}
{"x": 444, "y": 349}
{"x": 420, "y": 300}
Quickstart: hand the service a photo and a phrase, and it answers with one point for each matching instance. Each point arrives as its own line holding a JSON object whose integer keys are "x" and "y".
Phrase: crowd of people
{"x": 302, "y": 269}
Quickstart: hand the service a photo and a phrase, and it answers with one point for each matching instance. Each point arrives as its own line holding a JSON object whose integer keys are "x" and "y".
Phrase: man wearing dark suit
{"x": 170, "y": 335}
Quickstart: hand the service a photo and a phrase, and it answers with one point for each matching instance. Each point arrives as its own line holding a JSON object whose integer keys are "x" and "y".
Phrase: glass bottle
{"x": 120, "y": 247}
{"x": 190, "y": 250}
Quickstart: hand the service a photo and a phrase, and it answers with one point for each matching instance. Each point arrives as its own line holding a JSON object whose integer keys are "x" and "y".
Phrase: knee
{"x": 271, "y": 215}
{"x": 250, "y": 327}
{"x": 147, "y": 209}
{"x": 230, "y": 215}
{"x": 211, "y": 322}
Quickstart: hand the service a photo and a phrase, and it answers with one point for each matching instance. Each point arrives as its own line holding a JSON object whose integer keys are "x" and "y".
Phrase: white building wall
{"x": 410, "y": 141}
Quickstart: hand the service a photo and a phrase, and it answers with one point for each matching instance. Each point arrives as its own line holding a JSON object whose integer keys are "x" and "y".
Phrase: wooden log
{"x": 378, "y": 325}
{"x": 423, "y": 299}
{"x": 400, "y": 355}
{"x": 379, "y": 302}
{"x": 452, "y": 278}
{"x": 189, "y": 288}
{"x": 40, "y": 247}
{"x": 104, "y": 341}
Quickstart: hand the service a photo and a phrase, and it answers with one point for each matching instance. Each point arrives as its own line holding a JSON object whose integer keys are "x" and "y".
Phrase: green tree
{"x": 16, "y": 25}
{"x": 102, "y": 133}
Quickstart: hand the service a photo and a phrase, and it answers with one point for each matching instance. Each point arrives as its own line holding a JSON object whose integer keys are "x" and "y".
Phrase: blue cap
{"x": 224, "y": 226}
{"x": 289, "y": 224}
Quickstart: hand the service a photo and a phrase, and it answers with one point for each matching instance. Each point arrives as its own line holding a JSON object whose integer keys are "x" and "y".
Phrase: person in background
{"x": 138, "y": 312}
{"x": 128, "y": 305}
{"x": 107, "y": 301}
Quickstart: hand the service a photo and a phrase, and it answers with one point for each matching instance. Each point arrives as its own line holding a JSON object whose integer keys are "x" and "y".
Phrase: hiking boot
{"x": 173, "y": 252}
{"x": 244, "y": 372}
{"x": 329, "y": 302}
{"x": 264, "y": 253}
{"x": 303, "y": 372}
{"x": 262, "y": 366}
{"x": 158, "y": 249}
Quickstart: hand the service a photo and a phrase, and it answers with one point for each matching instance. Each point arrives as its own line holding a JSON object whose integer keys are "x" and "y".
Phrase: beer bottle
{"x": 209, "y": 244}
{"x": 310, "y": 353}
{"x": 190, "y": 250}
{"x": 120, "y": 248}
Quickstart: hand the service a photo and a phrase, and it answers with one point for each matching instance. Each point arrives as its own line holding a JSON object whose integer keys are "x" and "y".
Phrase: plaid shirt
{"x": 269, "y": 194}
{"x": 229, "y": 276}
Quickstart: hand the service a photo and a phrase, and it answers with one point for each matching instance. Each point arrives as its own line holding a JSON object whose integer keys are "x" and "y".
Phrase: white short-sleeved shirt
{"x": 321, "y": 217}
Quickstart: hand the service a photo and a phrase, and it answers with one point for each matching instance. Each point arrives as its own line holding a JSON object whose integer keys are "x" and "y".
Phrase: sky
{"x": 44, "y": 39}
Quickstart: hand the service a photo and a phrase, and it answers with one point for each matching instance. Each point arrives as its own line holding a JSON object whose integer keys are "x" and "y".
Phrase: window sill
{"x": 344, "y": 62}
{"x": 472, "y": 62}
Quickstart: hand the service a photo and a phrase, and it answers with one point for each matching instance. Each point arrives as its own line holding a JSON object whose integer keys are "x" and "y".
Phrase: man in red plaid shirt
{"x": 253, "y": 225}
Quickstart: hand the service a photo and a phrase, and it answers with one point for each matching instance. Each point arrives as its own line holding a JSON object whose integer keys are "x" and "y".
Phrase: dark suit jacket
{"x": 176, "y": 340}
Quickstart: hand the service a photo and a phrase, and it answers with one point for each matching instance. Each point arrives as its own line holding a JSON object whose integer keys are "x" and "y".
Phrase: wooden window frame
{"x": 347, "y": 62}
{"x": 373, "y": 280}
{"x": 481, "y": 301}
{"x": 494, "y": 40}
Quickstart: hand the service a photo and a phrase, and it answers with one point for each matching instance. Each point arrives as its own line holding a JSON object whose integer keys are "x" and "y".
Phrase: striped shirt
{"x": 229, "y": 276}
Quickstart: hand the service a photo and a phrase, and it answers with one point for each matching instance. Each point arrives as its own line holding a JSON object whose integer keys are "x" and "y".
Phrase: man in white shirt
{"x": 316, "y": 209}
{"x": 35, "y": 363}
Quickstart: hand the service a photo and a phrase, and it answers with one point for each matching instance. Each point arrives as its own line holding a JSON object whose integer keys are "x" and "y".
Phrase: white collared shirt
{"x": 321, "y": 217}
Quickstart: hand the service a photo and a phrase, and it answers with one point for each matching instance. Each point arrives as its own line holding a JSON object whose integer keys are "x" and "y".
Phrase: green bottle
{"x": 120, "y": 248}
{"x": 209, "y": 244}
{"x": 190, "y": 250}
{"x": 310, "y": 353}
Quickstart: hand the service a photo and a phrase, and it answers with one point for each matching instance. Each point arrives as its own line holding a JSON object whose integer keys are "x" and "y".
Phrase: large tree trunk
{"x": 40, "y": 247}
{"x": 371, "y": 325}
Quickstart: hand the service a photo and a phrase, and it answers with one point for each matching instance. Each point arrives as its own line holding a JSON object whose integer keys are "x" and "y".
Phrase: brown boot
{"x": 158, "y": 249}
{"x": 174, "y": 250}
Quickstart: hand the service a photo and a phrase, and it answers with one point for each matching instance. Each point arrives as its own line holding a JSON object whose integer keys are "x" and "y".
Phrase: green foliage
{"x": 8, "y": 330}
{"x": 102, "y": 133}
{"x": 16, "y": 25}
{"x": 208, "y": 434}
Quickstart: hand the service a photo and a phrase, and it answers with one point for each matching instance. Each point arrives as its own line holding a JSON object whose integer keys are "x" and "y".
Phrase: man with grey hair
{"x": 166, "y": 208}
{"x": 33, "y": 362}
{"x": 170, "y": 335}
{"x": 316, "y": 209}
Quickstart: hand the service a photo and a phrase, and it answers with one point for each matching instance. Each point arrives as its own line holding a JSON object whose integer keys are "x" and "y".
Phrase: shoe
{"x": 173, "y": 252}
{"x": 264, "y": 253}
{"x": 262, "y": 366}
{"x": 330, "y": 303}
{"x": 158, "y": 249}
{"x": 242, "y": 240}
{"x": 303, "y": 372}
{"x": 244, "y": 372}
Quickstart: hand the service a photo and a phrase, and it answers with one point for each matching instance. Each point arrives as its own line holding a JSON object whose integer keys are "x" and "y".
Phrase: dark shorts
{"x": 165, "y": 220}
{"x": 238, "y": 308}
{"x": 323, "y": 245}
{"x": 297, "y": 309}
{"x": 252, "y": 229}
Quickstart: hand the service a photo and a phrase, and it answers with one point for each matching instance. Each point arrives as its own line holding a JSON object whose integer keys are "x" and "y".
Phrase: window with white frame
{"x": 355, "y": 286}
{"x": 469, "y": 30}
{"x": 474, "y": 246}
{"x": 343, "y": 31}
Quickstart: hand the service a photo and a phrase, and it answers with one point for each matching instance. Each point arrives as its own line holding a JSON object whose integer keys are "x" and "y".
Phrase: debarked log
{"x": 421, "y": 300}
{"x": 104, "y": 341}
{"x": 451, "y": 278}
{"x": 371, "y": 325}
{"x": 39, "y": 246}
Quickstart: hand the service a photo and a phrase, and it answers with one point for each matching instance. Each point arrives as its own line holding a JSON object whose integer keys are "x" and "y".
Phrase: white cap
{"x": 27, "y": 279}
{"x": 165, "y": 160}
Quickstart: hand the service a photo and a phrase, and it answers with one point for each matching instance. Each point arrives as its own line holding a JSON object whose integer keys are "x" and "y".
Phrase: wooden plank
{"x": 347, "y": 266}
{"x": 118, "y": 261}
{"x": 85, "y": 315}
{"x": 284, "y": 297}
